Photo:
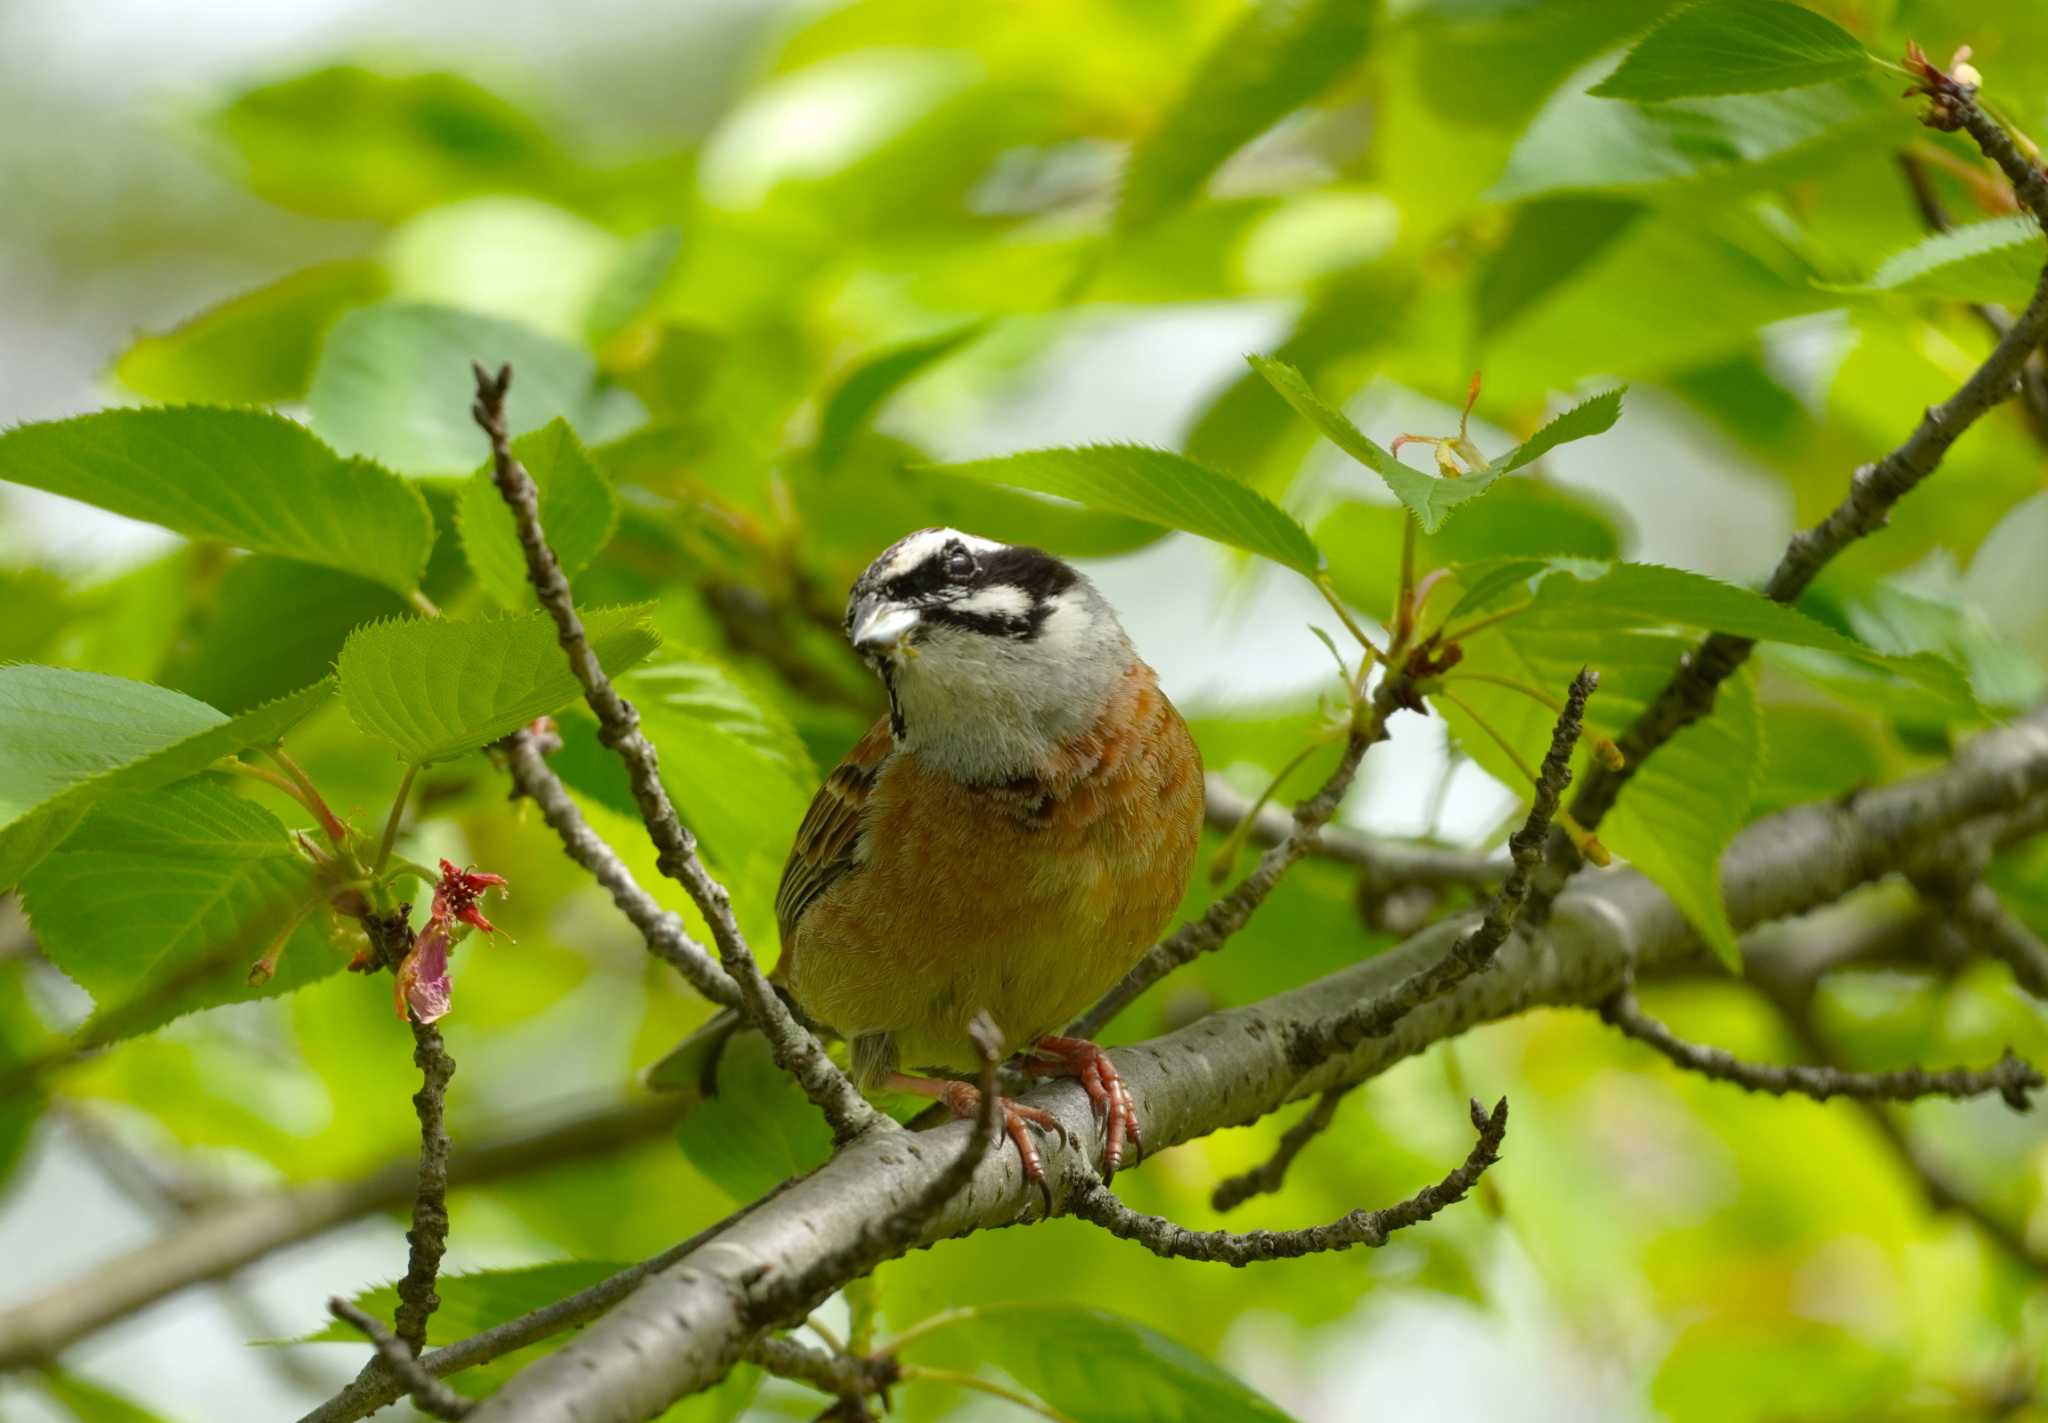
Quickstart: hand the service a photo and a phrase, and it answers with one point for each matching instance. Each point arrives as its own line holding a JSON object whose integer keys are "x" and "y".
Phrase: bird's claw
{"x": 1106, "y": 1089}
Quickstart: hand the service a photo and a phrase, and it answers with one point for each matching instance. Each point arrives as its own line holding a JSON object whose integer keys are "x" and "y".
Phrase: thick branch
{"x": 666, "y": 937}
{"x": 221, "y": 1239}
{"x": 1992, "y": 928}
{"x": 2010, "y": 1078}
{"x": 1098, "y": 1205}
{"x": 796, "y": 1050}
{"x": 683, "y": 1327}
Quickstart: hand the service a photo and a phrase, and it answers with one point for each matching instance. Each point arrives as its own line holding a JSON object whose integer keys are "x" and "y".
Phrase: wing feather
{"x": 828, "y": 841}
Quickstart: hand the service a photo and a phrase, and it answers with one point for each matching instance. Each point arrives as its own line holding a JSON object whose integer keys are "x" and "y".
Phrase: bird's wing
{"x": 828, "y": 842}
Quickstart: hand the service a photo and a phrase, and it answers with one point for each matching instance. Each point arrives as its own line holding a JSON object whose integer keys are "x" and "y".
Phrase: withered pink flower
{"x": 423, "y": 986}
{"x": 458, "y": 893}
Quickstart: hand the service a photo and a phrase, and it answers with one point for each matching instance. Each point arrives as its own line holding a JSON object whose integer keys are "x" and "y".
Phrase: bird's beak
{"x": 881, "y": 626}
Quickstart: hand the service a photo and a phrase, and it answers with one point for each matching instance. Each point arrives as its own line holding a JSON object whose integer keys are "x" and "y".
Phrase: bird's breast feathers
{"x": 913, "y": 901}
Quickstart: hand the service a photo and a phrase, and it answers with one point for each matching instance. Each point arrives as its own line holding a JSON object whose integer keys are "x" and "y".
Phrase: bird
{"x": 1007, "y": 839}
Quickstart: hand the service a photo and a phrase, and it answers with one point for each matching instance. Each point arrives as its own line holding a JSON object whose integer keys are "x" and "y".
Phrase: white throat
{"x": 989, "y": 710}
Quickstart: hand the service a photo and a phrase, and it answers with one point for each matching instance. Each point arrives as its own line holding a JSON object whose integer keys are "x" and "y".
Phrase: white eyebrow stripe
{"x": 998, "y": 600}
{"x": 922, "y": 546}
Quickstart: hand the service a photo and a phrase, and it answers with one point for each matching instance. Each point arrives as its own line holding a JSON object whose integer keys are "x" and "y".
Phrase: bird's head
{"x": 992, "y": 653}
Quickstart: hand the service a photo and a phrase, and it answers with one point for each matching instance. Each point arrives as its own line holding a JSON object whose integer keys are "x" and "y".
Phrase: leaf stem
{"x": 955, "y": 1377}
{"x": 1404, "y": 596}
{"x": 310, "y": 795}
{"x": 425, "y": 606}
{"x": 1603, "y": 747}
{"x": 391, "y": 821}
{"x": 1233, "y": 843}
{"x": 1329, "y": 592}
{"x": 229, "y": 765}
{"x": 930, "y": 1324}
{"x": 1459, "y": 634}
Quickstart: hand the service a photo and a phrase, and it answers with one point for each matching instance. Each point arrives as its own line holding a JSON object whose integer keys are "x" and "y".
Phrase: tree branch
{"x": 796, "y": 1050}
{"x": 427, "y": 1241}
{"x": 1098, "y": 1205}
{"x": 220, "y": 1239}
{"x": 1233, "y": 1191}
{"x": 428, "y": 1393}
{"x": 1873, "y": 491}
{"x": 667, "y": 939}
{"x": 2010, "y": 1078}
{"x": 681, "y": 1330}
{"x": 1994, "y": 929}
{"x": 1386, "y": 862}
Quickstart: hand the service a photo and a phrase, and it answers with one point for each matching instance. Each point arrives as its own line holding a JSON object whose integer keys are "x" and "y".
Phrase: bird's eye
{"x": 959, "y": 562}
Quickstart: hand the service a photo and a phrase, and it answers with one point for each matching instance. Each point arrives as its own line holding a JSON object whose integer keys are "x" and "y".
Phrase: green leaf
{"x": 1277, "y": 57}
{"x": 88, "y": 1402}
{"x": 1431, "y": 498}
{"x": 474, "y": 1300}
{"x": 1738, "y": 142}
{"x": 69, "y": 740}
{"x": 632, "y": 281}
{"x": 1736, "y": 47}
{"x": 350, "y": 143}
{"x": 1998, "y": 260}
{"x": 1589, "y": 417}
{"x": 244, "y": 477}
{"x": 394, "y": 383}
{"x": 434, "y": 688}
{"x": 868, "y": 386}
{"x": 1091, "y": 1364}
{"x": 277, "y": 626}
{"x": 758, "y": 1130}
{"x": 157, "y": 904}
{"x": 254, "y": 349}
{"x": 1574, "y": 592}
{"x": 1159, "y": 487}
{"x": 577, "y": 509}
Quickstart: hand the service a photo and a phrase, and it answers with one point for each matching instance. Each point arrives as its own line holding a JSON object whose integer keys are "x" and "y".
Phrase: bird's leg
{"x": 963, "y": 1101}
{"x": 1077, "y": 1057}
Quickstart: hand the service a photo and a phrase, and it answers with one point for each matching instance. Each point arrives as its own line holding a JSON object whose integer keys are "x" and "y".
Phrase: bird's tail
{"x": 693, "y": 1067}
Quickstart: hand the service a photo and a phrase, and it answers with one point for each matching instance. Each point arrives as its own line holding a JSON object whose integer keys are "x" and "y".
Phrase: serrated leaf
{"x": 1523, "y": 519}
{"x": 394, "y": 383}
{"x": 758, "y": 1130}
{"x": 434, "y": 688}
{"x": 244, "y": 477}
{"x": 1580, "y": 592}
{"x": 1998, "y": 260}
{"x": 1156, "y": 486}
{"x": 157, "y": 904}
{"x": 577, "y": 509}
{"x": 1088, "y": 1363}
{"x": 1683, "y": 805}
{"x": 475, "y": 1300}
{"x": 864, "y": 390}
{"x": 1736, "y": 47}
{"x": 1593, "y": 416}
{"x": 1429, "y": 497}
{"x": 1279, "y": 55}
{"x": 277, "y": 625}
{"x": 69, "y": 740}
{"x": 253, "y": 349}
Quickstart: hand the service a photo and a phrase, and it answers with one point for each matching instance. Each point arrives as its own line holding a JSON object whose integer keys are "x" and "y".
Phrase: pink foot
{"x": 1078, "y": 1058}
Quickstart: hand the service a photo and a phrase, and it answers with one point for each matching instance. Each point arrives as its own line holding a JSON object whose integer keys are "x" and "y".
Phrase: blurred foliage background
{"x": 767, "y": 259}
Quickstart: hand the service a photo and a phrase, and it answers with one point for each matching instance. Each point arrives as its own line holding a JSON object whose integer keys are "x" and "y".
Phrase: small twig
{"x": 838, "y": 1374}
{"x": 1098, "y": 1205}
{"x": 1234, "y": 1191}
{"x": 1994, "y": 929}
{"x": 2010, "y": 1077}
{"x": 392, "y": 820}
{"x": 1232, "y": 911}
{"x": 796, "y": 1050}
{"x": 662, "y": 930}
{"x": 1475, "y": 949}
{"x": 912, "y": 1373}
{"x": 428, "y": 1238}
{"x": 428, "y": 1393}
